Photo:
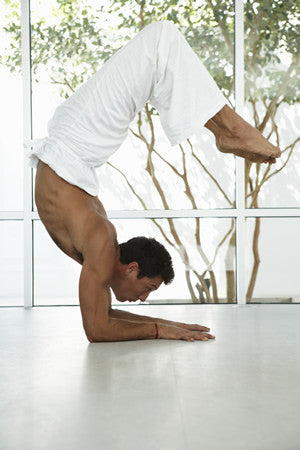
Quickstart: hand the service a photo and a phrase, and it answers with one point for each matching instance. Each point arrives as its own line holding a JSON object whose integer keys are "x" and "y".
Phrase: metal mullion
{"x": 163, "y": 214}
{"x": 212, "y": 213}
{"x": 240, "y": 162}
{"x": 27, "y": 134}
{"x": 181, "y": 213}
{"x": 273, "y": 212}
{"x": 11, "y": 215}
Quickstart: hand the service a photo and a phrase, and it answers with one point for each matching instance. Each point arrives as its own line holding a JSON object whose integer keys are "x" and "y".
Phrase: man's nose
{"x": 143, "y": 297}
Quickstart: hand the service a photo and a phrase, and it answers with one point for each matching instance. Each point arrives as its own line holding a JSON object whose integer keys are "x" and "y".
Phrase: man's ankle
{"x": 229, "y": 121}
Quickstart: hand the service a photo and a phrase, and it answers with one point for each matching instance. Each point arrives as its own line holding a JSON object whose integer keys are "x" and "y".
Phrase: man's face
{"x": 127, "y": 287}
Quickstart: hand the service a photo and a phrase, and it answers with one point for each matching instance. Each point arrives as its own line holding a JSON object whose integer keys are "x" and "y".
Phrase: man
{"x": 157, "y": 65}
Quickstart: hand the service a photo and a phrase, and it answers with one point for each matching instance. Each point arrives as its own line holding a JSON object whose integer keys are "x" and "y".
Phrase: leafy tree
{"x": 270, "y": 31}
{"x": 83, "y": 38}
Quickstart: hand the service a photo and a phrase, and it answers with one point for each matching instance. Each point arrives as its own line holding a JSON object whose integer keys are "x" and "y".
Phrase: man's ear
{"x": 132, "y": 267}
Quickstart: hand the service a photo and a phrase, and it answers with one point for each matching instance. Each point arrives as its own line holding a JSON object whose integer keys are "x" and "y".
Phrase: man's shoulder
{"x": 99, "y": 237}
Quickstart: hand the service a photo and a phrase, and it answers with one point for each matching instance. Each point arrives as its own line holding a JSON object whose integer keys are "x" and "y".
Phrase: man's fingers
{"x": 200, "y": 336}
{"x": 193, "y": 327}
{"x": 199, "y": 333}
{"x": 199, "y": 328}
{"x": 209, "y": 336}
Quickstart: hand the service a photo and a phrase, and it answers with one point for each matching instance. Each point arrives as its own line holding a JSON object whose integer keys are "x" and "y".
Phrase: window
{"x": 195, "y": 189}
{"x": 11, "y": 151}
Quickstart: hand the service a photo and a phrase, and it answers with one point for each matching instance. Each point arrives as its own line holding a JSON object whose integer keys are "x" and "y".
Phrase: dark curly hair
{"x": 152, "y": 257}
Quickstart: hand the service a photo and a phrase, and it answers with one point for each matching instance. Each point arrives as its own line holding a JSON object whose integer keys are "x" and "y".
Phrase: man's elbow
{"x": 95, "y": 337}
{"x": 90, "y": 338}
{"x": 96, "y": 332}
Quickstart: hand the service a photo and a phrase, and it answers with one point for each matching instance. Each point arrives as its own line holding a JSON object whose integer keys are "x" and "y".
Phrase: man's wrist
{"x": 121, "y": 314}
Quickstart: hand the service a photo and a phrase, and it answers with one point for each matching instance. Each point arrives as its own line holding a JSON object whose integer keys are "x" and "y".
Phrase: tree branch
{"x": 265, "y": 178}
{"x": 219, "y": 246}
{"x": 277, "y": 95}
{"x": 292, "y": 146}
{"x": 65, "y": 82}
{"x": 209, "y": 174}
{"x": 223, "y": 29}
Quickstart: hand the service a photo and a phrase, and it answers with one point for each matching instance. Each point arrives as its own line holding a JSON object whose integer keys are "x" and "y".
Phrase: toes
{"x": 276, "y": 152}
{"x": 270, "y": 160}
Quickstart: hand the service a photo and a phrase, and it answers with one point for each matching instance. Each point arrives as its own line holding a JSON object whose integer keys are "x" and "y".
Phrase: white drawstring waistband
{"x": 30, "y": 144}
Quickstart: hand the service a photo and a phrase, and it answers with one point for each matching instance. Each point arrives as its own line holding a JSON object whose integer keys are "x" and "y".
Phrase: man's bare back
{"x": 67, "y": 212}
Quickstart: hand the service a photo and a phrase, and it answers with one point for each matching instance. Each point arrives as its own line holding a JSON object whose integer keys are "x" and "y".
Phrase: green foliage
{"x": 83, "y": 38}
{"x": 272, "y": 34}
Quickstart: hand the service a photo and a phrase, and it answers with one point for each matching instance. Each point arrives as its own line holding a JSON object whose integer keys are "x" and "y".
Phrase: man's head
{"x": 144, "y": 264}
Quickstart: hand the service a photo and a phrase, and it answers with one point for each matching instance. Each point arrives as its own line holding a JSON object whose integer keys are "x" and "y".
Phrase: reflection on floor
{"x": 240, "y": 391}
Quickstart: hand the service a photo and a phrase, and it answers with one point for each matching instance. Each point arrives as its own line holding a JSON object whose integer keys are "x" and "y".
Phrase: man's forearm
{"x": 120, "y": 314}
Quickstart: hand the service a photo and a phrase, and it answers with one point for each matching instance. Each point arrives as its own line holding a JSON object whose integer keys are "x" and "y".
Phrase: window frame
{"x": 240, "y": 213}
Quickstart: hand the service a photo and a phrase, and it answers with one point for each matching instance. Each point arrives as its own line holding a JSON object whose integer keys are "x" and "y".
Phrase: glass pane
{"x": 272, "y": 96}
{"x": 203, "y": 254}
{"x": 79, "y": 38}
{"x": 56, "y": 275}
{"x": 11, "y": 147}
{"x": 273, "y": 249}
{"x": 11, "y": 263}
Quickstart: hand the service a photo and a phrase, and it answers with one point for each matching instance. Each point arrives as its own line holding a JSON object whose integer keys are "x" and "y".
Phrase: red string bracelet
{"x": 156, "y": 337}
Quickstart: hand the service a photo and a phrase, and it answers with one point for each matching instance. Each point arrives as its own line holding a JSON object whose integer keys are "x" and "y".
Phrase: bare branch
{"x": 208, "y": 173}
{"x": 291, "y": 145}
{"x": 142, "y": 203}
{"x": 204, "y": 286}
{"x": 287, "y": 160}
{"x": 64, "y": 83}
{"x": 138, "y": 136}
{"x": 274, "y": 127}
{"x": 265, "y": 178}
{"x": 219, "y": 246}
{"x": 141, "y": 14}
{"x": 151, "y": 125}
{"x": 167, "y": 162}
{"x": 278, "y": 94}
{"x": 255, "y": 113}
{"x": 140, "y": 129}
{"x": 129, "y": 185}
{"x": 189, "y": 283}
{"x": 223, "y": 28}
{"x": 255, "y": 192}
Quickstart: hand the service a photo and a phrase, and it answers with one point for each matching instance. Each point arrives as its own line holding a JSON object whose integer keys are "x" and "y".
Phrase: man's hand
{"x": 172, "y": 332}
{"x": 187, "y": 326}
{"x": 121, "y": 314}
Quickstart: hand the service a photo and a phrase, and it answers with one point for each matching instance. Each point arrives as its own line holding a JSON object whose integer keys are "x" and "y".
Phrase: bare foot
{"x": 248, "y": 143}
{"x": 235, "y": 135}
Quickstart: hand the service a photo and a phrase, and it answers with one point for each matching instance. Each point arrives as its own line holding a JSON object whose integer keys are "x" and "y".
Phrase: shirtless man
{"x": 90, "y": 126}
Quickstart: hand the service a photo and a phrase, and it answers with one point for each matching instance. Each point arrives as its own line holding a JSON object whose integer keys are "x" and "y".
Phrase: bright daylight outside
{"x": 70, "y": 41}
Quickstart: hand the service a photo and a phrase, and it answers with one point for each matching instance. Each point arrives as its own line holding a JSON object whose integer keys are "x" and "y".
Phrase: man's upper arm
{"x": 96, "y": 273}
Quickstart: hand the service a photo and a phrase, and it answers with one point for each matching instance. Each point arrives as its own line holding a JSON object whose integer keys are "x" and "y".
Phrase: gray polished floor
{"x": 241, "y": 391}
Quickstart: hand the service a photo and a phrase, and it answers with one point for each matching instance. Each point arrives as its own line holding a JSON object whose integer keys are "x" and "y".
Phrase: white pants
{"x": 157, "y": 65}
